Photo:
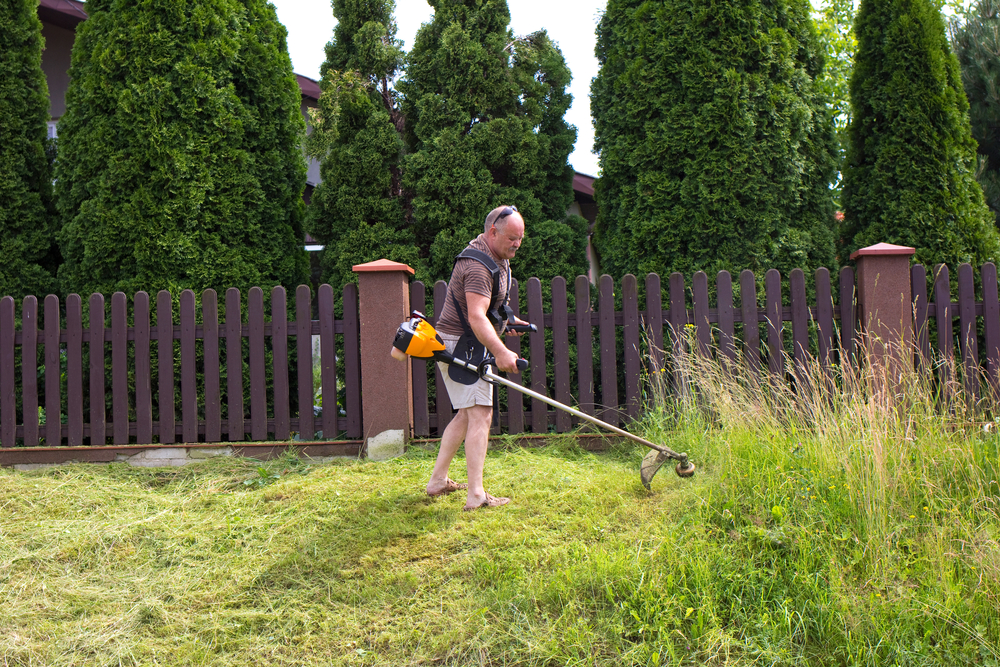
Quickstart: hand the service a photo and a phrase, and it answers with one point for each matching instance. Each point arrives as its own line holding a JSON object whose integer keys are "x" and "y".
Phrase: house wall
{"x": 55, "y": 64}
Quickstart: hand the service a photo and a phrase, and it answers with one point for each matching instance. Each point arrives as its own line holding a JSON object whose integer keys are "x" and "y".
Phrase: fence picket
{"x": 304, "y": 361}
{"x": 943, "y": 315}
{"x": 258, "y": 381}
{"x": 824, "y": 319}
{"x": 119, "y": 368}
{"x": 164, "y": 367}
{"x": 631, "y": 337}
{"x": 967, "y": 326}
{"x": 775, "y": 344}
{"x": 515, "y": 399}
{"x": 96, "y": 349}
{"x": 29, "y": 370}
{"x": 702, "y": 328}
{"x": 654, "y": 321}
{"x": 189, "y": 389}
{"x": 847, "y": 321}
{"x": 751, "y": 321}
{"x": 727, "y": 333}
{"x": 921, "y": 327}
{"x": 53, "y": 373}
{"x": 8, "y": 402}
{"x": 443, "y": 402}
{"x": 991, "y": 327}
{"x": 279, "y": 362}
{"x": 584, "y": 347}
{"x": 352, "y": 360}
{"x": 235, "y": 423}
{"x": 800, "y": 328}
{"x": 418, "y": 370}
{"x": 74, "y": 370}
{"x": 143, "y": 379}
{"x": 328, "y": 362}
{"x": 536, "y": 341}
{"x": 560, "y": 351}
{"x": 678, "y": 322}
{"x": 609, "y": 366}
{"x": 210, "y": 349}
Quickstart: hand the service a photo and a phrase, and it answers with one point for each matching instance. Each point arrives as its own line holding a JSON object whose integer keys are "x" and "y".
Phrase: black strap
{"x": 491, "y": 266}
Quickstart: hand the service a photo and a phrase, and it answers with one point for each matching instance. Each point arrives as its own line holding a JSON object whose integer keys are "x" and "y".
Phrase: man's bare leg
{"x": 476, "y": 442}
{"x": 451, "y": 440}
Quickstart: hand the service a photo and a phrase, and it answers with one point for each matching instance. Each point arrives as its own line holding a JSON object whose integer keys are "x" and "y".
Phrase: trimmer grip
{"x": 523, "y": 328}
{"x": 522, "y": 364}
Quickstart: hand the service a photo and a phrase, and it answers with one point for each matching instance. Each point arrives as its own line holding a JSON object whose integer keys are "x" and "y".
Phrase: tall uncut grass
{"x": 848, "y": 518}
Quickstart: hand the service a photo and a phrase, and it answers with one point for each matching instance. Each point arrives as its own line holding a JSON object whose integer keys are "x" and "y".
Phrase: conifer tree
{"x": 976, "y": 42}
{"x": 359, "y": 211}
{"x": 484, "y": 126}
{"x": 716, "y": 147}
{"x": 908, "y": 177}
{"x": 180, "y": 161}
{"x": 27, "y": 212}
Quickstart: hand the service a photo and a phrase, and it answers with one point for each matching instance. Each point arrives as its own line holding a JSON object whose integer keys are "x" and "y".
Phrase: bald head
{"x": 504, "y": 231}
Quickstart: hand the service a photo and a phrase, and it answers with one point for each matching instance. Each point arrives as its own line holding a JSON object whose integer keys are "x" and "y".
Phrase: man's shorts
{"x": 463, "y": 395}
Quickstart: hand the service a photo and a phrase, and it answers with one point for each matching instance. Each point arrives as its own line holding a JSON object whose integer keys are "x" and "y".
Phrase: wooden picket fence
{"x": 142, "y": 370}
{"x": 139, "y": 368}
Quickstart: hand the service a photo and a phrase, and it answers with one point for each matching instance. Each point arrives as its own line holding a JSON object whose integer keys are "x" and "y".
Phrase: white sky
{"x": 570, "y": 24}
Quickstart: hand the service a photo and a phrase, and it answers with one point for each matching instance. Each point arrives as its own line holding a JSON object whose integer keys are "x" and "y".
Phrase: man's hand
{"x": 507, "y": 361}
{"x": 487, "y": 335}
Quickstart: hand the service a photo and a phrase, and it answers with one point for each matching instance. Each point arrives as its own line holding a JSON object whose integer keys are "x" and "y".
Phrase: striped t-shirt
{"x": 470, "y": 275}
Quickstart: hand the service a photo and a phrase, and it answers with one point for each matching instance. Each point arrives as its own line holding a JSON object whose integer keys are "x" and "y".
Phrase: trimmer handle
{"x": 522, "y": 364}
{"x": 523, "y": 328}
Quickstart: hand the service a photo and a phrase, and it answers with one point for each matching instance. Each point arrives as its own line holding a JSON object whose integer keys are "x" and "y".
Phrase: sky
{"x": 570, "y": 24}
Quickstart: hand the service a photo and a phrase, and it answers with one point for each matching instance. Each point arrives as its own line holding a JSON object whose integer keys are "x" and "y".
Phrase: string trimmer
{"x": 417, "y": 338}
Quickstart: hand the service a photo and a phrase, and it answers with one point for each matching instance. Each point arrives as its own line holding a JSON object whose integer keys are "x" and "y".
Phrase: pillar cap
{"x": 883, "y": 249}
{"x": 381, "y": 265}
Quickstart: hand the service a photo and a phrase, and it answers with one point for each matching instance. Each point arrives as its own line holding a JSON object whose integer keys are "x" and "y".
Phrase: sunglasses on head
{"x": 507, "y": 210}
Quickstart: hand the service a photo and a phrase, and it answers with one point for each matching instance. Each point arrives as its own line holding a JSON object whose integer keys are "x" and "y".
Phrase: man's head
{"x": 504, "y": 231}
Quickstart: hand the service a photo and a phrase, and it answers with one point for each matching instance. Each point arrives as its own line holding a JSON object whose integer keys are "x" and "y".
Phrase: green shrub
{"x": 908, "y": 177}
{"x": 180, "y": 159}
{"x": 27, "y": 213}
{"x": 716, "y": 148}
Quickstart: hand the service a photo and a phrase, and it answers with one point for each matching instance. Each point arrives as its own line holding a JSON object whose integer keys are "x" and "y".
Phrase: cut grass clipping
{"x": 821, "y": 529}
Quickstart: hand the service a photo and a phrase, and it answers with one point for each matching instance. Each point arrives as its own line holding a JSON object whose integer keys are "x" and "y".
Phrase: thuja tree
{"x": 360, "y": 211}
{"x": 180, "y": 159}
{"x": 27, "y": 213}
{"x": 976, "y": 42}
{"x": 485, "y": 126}
{"x": 908, "y": 177}
{"x": 716, "y": 149}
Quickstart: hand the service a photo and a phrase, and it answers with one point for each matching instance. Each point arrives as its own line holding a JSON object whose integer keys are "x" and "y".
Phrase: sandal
{"x": 450, "y": 486}
{"x": 491, "y": 501}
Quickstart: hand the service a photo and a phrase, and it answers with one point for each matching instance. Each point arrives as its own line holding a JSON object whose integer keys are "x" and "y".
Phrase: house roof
{"x": 70, "y": 13}
{"x": 583, "y": 186}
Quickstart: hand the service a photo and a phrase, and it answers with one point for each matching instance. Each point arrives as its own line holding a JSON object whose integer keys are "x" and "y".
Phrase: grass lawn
{"x": 847, "y": 539}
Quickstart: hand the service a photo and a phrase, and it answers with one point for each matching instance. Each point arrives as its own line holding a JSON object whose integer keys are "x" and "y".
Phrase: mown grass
{"x": 817, "y": 530}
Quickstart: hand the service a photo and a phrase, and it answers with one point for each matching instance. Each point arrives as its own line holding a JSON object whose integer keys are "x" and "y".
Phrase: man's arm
{"x": 487, "y": 335}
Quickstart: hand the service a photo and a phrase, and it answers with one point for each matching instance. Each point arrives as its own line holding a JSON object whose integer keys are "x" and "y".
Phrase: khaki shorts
{"x": 463, "y": 395}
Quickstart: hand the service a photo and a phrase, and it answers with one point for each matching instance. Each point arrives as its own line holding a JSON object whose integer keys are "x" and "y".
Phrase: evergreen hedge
{"x": 976, "y": 42}
{"x": 716, "y": 148}
{"x": 27, "y": 213}
{"x": 908, "y": 177}
{"x": 484, "y": 126}
{"x": 180, "y": 159}
{"x": 359, "y": 210}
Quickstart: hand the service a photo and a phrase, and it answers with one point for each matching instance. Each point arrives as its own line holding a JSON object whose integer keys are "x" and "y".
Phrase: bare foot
{"x": 488, "y": 501}
{"x": 445, "y": 487}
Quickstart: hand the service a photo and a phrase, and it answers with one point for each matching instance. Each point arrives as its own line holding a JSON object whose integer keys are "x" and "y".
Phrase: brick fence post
{"x": 386, "y": 385}
{"x": 884, "y": 306}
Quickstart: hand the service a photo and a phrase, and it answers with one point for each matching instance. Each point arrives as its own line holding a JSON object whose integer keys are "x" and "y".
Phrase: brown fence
{"x": 629, "y": 342}
{"x": 113, "y": 379}
{"x": 141, "y": 369}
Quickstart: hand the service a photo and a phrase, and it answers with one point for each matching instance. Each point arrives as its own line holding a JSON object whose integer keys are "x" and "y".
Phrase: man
{"x": 467, "y": 310}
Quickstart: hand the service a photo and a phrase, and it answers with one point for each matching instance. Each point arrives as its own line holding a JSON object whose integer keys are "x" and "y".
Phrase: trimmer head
{"x": 652, "y": 462}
